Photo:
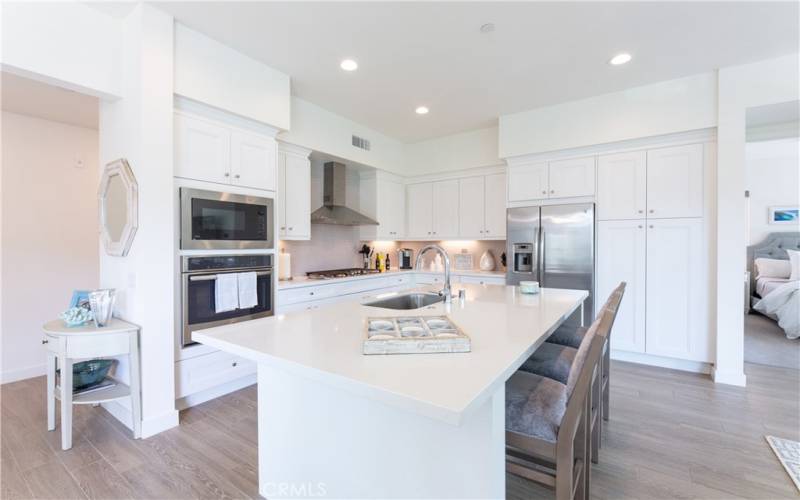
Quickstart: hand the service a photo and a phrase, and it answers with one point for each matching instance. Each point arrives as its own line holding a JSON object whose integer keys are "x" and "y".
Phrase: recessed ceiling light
{"x": 422, "y": 110}
{"x": 487, "y": 28}
{"x": 349, "y": 65}
{"x": 620, "y": 59}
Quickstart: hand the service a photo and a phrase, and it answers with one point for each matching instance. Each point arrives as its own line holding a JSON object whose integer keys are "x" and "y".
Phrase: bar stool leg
{"x": 51, "y": 391}
{"x": 136, "y": 394}
{"x": 66, "y": 403}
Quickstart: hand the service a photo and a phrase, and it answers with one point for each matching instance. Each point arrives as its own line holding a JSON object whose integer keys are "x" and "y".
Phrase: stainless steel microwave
{"x": 221, "y": 221}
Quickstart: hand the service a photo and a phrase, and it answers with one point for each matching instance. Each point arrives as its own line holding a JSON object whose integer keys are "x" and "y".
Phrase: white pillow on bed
{"x": 794, "y": 259}
{"x": 774, "y": 268}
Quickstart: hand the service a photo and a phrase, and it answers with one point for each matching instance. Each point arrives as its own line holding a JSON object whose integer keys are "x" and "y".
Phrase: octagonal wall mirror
{"x": 119, "y": 207}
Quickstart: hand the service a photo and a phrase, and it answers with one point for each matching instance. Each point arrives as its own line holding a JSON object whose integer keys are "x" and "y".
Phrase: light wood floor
{"x": 671, "y": 435}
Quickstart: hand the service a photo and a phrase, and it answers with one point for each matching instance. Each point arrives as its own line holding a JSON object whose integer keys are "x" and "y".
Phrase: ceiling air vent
{"x": 360, "y": 142}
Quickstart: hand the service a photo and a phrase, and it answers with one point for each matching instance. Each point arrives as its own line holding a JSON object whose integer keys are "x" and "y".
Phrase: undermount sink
{"x": 407, "y": 301}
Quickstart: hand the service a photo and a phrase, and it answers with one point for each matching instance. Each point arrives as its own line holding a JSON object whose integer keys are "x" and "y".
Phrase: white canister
{"x": 529, "y": 286}
{"x": 284, "y": 266}
{"x": 487, "y": 261}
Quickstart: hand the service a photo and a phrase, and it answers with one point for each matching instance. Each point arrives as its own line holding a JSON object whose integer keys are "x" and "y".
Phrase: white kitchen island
{"x": 334, "y": 422}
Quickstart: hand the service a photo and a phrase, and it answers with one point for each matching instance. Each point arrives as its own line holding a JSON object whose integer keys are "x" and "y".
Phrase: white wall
{"x": 740, "y": 87}
{"x": 215, "y": 74}
{"x": 773, "y": 178}
{"x": 63, "y": 43}
{"x": 320, "y": 130}
{"x": 476, "y": 148}
{"x": 49, "y": 231}
{"x": 658, "y": 109}
{"x": 139, "y": 127}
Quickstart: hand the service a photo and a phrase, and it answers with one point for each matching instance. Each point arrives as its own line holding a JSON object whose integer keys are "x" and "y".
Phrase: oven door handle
{"x": 212, "y": 277}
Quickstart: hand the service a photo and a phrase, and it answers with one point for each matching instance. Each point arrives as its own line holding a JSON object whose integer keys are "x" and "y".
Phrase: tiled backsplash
{"x": 334, "y": 247}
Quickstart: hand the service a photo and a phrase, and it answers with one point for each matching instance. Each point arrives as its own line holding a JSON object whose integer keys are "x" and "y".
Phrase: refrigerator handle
{"x": 541, "y": 257}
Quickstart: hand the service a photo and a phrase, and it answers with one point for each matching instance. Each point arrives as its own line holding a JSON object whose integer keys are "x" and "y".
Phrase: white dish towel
{"x": 226, "y": 292}
{"x": 248, "y": 294}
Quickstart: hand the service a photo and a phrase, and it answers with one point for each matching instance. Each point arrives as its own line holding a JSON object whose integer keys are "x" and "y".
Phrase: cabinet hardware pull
{"x": 291, "y": 229}
{"x": 652, "y": 211}
{"x": 45, "y": 341}
{"x": 312, "y": 293}
{"x": 544, "y": 192}
{"x": 640, "y": 226}
{"x": 651, "y": 226}
{"x": 234, "y": 364}
{"x": 236, "y": 176}
{"x": 227, "y": 174}
{"x": 552, "y": 191}
{"x": 641, "y": 211}
{"x": 283, "y": 228}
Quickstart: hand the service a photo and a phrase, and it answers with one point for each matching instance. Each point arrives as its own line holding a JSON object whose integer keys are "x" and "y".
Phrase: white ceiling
{"x": 29, "y": 97}
{"x": 434, "y": 54}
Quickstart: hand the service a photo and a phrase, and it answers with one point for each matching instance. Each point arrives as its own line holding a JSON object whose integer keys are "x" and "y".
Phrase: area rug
{"x": 788, "y": 452}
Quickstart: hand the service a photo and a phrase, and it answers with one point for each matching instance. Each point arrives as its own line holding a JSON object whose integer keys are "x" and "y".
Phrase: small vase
{"x": 487, "y": 261}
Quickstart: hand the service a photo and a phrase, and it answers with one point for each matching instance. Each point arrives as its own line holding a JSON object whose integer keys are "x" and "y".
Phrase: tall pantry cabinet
{"x": 651, "y": 233}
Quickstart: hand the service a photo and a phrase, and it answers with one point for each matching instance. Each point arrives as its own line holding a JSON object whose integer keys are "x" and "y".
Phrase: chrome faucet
{"x": 446, "y": 292}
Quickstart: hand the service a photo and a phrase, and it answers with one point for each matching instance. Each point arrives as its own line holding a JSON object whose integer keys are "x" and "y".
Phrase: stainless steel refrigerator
{"x": 553, "y": 245}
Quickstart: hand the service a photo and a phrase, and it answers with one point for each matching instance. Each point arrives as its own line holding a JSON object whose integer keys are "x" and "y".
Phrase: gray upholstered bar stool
{"x": 547, "y": 422}
{"x": 554, "y": 359}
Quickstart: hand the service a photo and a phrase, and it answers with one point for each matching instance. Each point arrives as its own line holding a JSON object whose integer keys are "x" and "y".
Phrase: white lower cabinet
{"x": 622, "y": 256}
{"x": 676, "y": 283}
{"x": 205, "y": 372}
{"x": 663, "y": 262}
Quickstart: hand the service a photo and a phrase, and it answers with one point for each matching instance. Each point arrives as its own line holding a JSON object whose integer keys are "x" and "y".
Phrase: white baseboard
{"x": 215, "y": 392}
{"x": 662, "y": 362}
{"x": 22, "y": 373}
{"x": 729, "y": 378}
{"x": 150, "y": 426}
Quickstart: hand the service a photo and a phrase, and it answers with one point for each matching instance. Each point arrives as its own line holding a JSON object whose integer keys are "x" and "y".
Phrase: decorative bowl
{"x": 529, "y": 287}
{"x": 88, "y": 373}
{"x": 76, "y": 316}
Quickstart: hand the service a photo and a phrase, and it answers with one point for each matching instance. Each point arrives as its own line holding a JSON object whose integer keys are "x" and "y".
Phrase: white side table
{"x": 65, "y": 345}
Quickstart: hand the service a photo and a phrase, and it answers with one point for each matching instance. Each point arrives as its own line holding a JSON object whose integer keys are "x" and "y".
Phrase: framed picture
{"x": 784, "y": 215}
{"x": 80, "y": 298}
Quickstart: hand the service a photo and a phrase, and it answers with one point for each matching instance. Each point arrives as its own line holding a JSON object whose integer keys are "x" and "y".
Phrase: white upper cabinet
{"x": 211, "y": 151}
{"x": 294, "y": 194}
{"x": 622, "y": 256}
{"x": 471, "y": 207}
{"x": 385, "y": 201}
{"x": 202, "y": 149}
{"x": 622, "y": 186}
{"x": 495, "y": 206}
{"x": 556, "y": 179}
{"x": 253, "y": 160}
{"x": 571, "y": 178}
{"x": 527, "y": 182}
{"x": 420, "y": 210}
{"x": 445, "y": 209}
{"x": 676, "y": 290}
{"x": 675, "y": 181}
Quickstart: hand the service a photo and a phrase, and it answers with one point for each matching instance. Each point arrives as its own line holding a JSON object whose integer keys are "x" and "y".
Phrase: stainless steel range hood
{"x": 334, "y": 195}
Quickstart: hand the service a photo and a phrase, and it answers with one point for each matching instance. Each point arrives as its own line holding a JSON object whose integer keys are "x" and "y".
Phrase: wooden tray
{"x": 414, "y": 335}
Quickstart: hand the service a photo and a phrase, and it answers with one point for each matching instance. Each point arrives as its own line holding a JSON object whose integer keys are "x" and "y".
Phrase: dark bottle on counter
{"x": 388, "y": 262}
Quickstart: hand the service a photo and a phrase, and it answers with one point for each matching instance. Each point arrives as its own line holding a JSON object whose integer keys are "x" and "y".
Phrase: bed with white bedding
{"x": 774, "y": 266}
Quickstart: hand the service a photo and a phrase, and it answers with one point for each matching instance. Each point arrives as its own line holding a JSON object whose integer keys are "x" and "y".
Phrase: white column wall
{"x": 740, "y": 87}
{"x": 139, "y": 127}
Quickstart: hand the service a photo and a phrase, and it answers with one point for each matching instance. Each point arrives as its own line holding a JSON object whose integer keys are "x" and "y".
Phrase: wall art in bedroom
{"x": 784, "y": 215}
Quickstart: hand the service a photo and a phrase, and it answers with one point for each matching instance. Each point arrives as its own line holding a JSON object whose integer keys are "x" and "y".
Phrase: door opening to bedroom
{"x": 772, "y": 297}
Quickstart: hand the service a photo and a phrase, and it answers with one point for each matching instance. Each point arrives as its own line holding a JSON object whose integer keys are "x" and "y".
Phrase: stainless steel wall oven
{"x": 198, "y": 277}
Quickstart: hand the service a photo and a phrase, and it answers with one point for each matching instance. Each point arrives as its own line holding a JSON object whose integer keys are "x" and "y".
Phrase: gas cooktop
{"x": 339, "y": 273}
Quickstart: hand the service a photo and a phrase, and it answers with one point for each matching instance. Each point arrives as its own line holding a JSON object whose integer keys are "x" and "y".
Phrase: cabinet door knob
{"x": 291, "y": 228}
{"x": 236, "y": 176}
{"x": 227, "y": 174}
{"x": 652, "y": 211}
{"x": 640, "y": 226}
{"x": 312, "y": 293}
{"x": 283, "y": 228}
{"x": 234, "y": 364}
{"x": 651, "y": 226}
{"x": 552, "y": 191}
{"x": 544, "y": 192}
{"x": 45, "y": 341}
{"x": 641, "y": 211}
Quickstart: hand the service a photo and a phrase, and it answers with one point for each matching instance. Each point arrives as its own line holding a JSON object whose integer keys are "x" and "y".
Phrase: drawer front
{"x": 210, "y": 370}
{"x": 306, "y": 293}
{"x": 89, "y": 346}
{"x": 481, "y": 280}
{"x": 430, "y": 279}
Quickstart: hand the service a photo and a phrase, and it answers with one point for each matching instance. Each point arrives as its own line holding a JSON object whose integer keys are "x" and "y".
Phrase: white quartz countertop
{"x": 325, "y": 345}
{"x": 299, "y": 281}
